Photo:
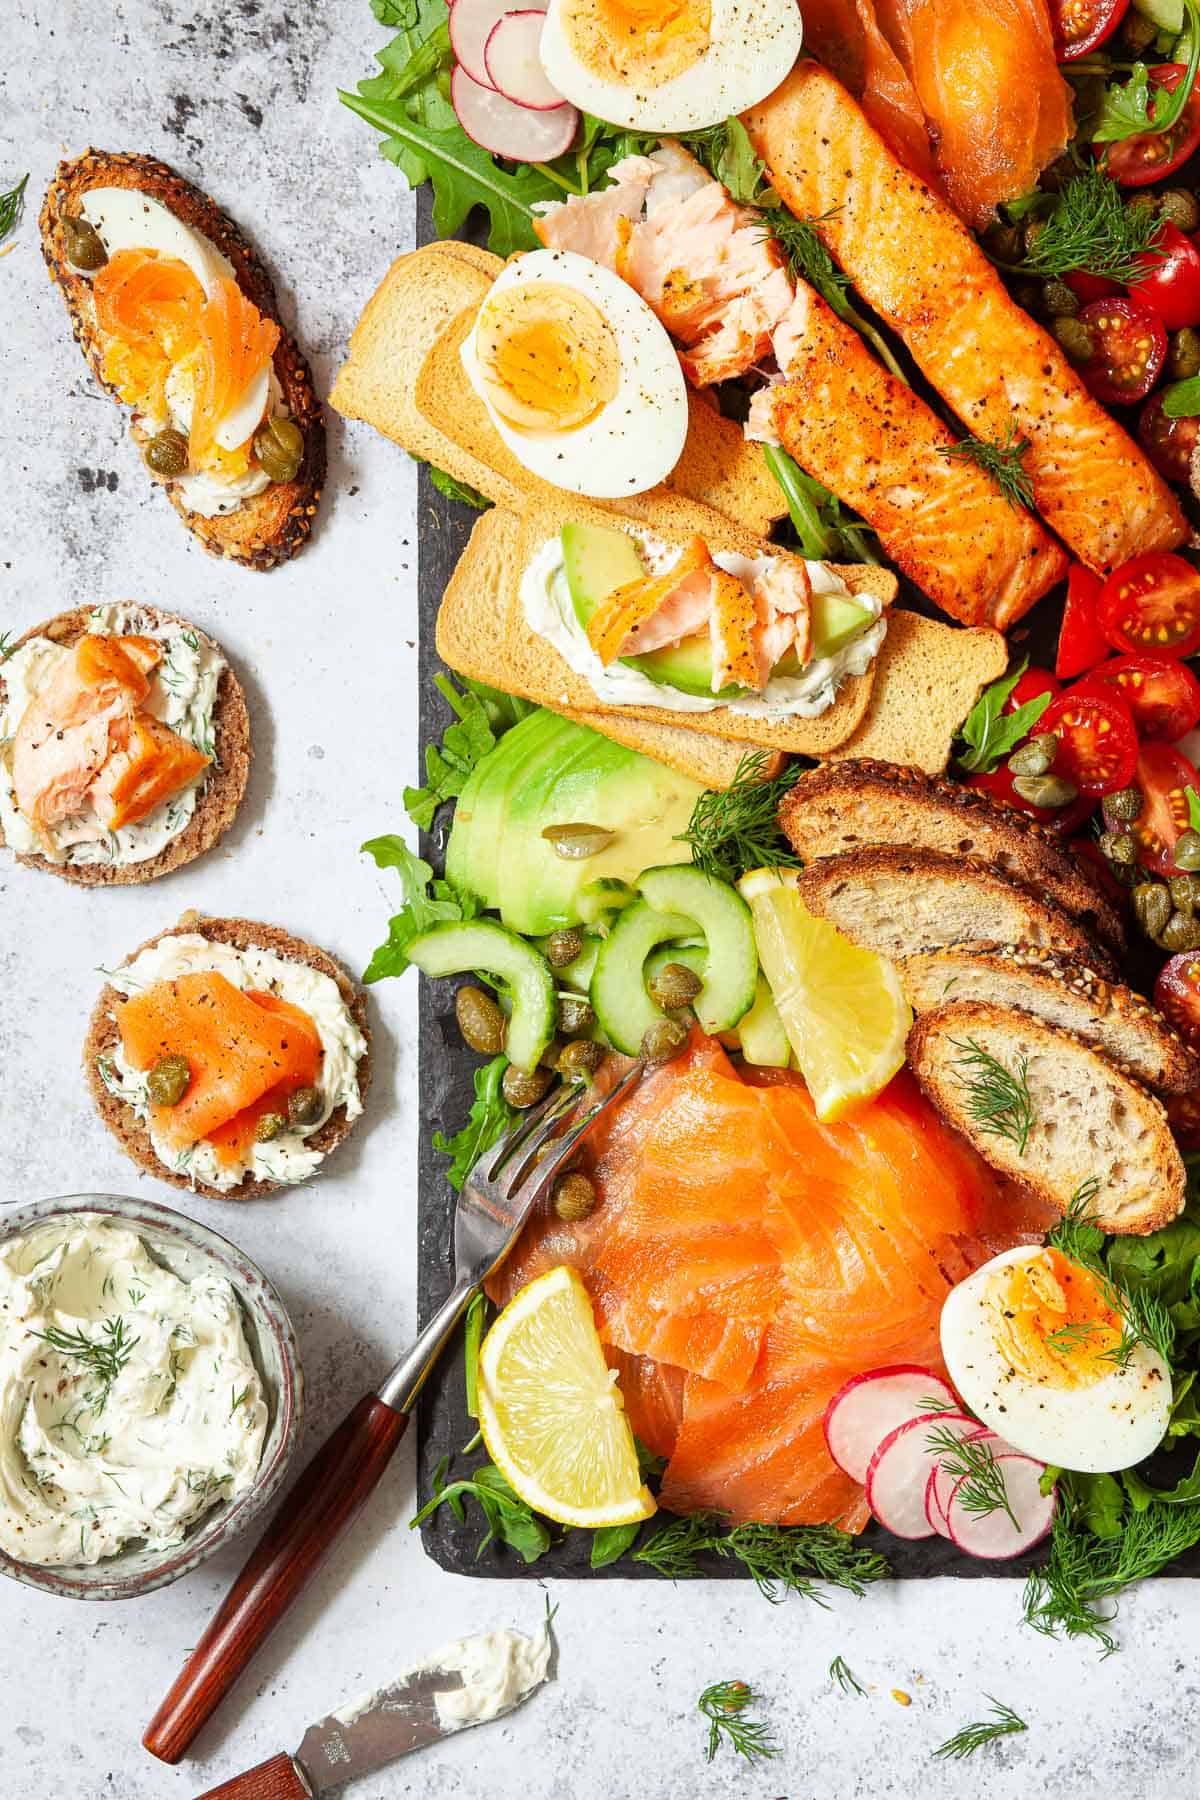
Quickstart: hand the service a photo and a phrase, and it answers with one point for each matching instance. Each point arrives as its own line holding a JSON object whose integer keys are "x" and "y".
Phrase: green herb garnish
{"x": 808, "y": 260}
{"x": 977, "y": 1476}
{"x": 826, "y": 531}
{"x": 736, "y": 829}
{"x": 1085, "y": 1571}
{"x": 610, "y": 1542}
{"x": 998, "y": 1101}
{"x": 1130, "y": 108}
{"x": 724, "y": 1706}
{"x": 104, "y": 1356}
{"x": 990, "y": 733}
{"x": 465, "y": 741}
{"x": 1002, "y": 1723}
{"x": 426, "y": 902}
{"x": 11, "y": 203}
{"x": 1003, "y": 461}
{"x": 1091, "y": 229}
{"x": 782, "y": 1559}
{"x": 509, "y": 1520}
{"x": 489, "y": 1119}
{"x": 841, "y": 1672}
{"x": 472, "y": 1338}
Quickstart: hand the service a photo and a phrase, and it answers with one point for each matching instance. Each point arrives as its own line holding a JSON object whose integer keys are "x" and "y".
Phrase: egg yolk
{"x": 548, "y": 357}
{"x": 637, "y": 42}
{"x": 1052, "y": 1321}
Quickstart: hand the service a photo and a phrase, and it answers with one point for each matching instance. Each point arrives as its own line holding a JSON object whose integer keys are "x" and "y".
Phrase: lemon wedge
{"x": 843, "y": 1008}
{"x": 551, "y": 1412}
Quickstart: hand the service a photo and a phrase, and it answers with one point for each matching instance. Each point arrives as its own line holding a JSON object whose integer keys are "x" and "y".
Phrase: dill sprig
{"x": 724, "y": 1706}
{"x": 1073, "y": 1336}
{"x": 104, "y": 1356}
{"x": 738, "y": 829}
{"x": 783, "y": 1559}
{"x": 841, "y": 1672}
{"x": 11, "y": 203}
{"x": 970, "y": 1464}
{"x": 808, "y": 260}
{"x": 1084, "y": 1571}
{"x": 1004, "y": 461}
{"x": 1091, "y": 229}
{"x": 998, "y": 1100}
{"x": 1144, "y": 1317}
{"x": 1003, "y": 1723}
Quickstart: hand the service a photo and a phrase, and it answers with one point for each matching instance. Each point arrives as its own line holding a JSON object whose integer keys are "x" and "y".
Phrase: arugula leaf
{"x": 458, "y": 490}
{"x": 423, "y": 906}
{"x": 610, "y": 1542}
{"x": 738, "y": 168}
{"x": 1131, "y": 107}
{"x": 503, "y": 710}
{"x": 472, "y": 1338}
{"x": 1141, "y": 1495}
{"x": 509, "y": 1520}
{"x": 1181, "y": 399}
{"x": 989, "y": 733}
{"x": 1193, "y": 804}
{"x": 489, "y": 1119}
{"x": 448, "y": 764}
{"x": 826, "y": 532}
{"x": 412, "y": 82}
{"x": 1101, "y": 1503}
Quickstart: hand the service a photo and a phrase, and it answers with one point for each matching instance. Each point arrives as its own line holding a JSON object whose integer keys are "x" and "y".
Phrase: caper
{"x": 1183, "y": 354}
{"x": 1185, "y": 892}
{"x": 1179, "y": 207}
{"x": 663, "y": 1040}
{"x": 1036, "y": 757}
{"x": 304, "y": 1107}
{"x": 1075, "y": 339}
{"x": 1151, "y": 906}
{"x": 1002, "y": 242}
{"x": 521, "y": 1089}
{"x": 575, "y": 842}
{"x": 167, "y": 453}
{"x": 1059, "y": 301}
{"x": 562, "y": 947}
{"x": 1181, "y": 932}
{"x": 574, "y": 1199}
{"x": 168, "y": 1080}
{"x": 269, "y": 1126}
{"x": 674, "y": 985}
{"x": 1186, "y": 852}
{"x": 480, "y": 1020}
{"x": 579, "y": 1060}
{"x": 550, "y": 1055}
{"x": 575, "y": 1015}
{"x": 85, "y": 247}
{"x": 279, "y": 447}
{"x": 1045, "y": 790}
{"x": 1125, "y": 804}
{"x": 1031, "y": 231}
{"x": 1118, "y": 846}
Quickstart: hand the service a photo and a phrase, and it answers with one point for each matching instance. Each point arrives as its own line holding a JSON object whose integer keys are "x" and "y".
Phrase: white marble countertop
{"x": 241, "y": 96}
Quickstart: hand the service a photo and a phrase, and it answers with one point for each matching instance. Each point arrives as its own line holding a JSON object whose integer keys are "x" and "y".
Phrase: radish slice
{"x": 898, "y": 1473}
{"x": 471, "y": 24}
{"x": 933, "y": 1505}
{"x": 944, "y": 1479}
{"x": 992, "y": 1534}
{"x": 506, "y": 129}
{"x": 513, "y": 62}
{"x": 862, "y": 1413}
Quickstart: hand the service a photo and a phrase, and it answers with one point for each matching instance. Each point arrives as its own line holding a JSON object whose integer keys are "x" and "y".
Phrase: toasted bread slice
{"x": 1111, "y": 1017}
{"x": 712, "y": 761}
{"x": 1086, "y": 1120}
{"x": 103, "y": 1037}
{"x": 901, "y": 902}
{"x": 845, "y": 805}
{"x": 220, "y": 797}
{"x": 482, "y": 631}
{"x": 272, "y": 526}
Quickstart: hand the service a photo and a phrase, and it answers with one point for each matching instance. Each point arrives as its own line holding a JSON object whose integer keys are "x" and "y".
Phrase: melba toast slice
{"x": 928, "y": 676}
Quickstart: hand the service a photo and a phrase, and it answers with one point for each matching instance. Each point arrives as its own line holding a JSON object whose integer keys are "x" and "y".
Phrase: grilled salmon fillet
{"x": 924, "y": 274}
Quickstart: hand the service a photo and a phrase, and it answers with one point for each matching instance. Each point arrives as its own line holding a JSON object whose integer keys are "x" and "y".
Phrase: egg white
{"x": 752, "y": 47}
{"x": 1113, "y": 1424}
{"x": 636, "y": 439}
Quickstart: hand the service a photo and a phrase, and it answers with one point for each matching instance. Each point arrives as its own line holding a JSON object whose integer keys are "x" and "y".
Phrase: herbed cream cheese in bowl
{"x": 149, "y": 1394}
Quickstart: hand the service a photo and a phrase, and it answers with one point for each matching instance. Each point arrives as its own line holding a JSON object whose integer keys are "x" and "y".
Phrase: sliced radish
{"x": 898, "y": 1473}
{"x": 513, "y": 62}
{"x": 471, "y": 24}
{"x": 992, "y": 1534}
{"x": 944, "y": 1479}
{"x": 933, "y": 1505}
{"x": 506, "y": 129}
{"x": 862, "y": 1413}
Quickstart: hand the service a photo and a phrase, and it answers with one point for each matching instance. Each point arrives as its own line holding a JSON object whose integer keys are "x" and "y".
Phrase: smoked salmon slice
{"x": 919, "y": 267}
{"x": 236, "y": 345}
{"x": 847, "y": 37}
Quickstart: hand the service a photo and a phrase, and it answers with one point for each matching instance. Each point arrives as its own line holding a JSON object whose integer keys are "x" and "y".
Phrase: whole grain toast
{"x": 103, "y": 1036}
{"x": 1114, "y": 1019}
{"x": 220, "y": 797}
{"x": 270, "y": 527}
{"x": 900, "y": 902}
{"x": 482, "y": 631}
{"x": 1084, "y": 1120}
{"x": 845, "y": 805}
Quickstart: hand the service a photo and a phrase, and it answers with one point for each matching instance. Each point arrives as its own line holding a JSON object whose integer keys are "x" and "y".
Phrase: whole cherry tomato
{"x": 1029, "y": 685}
{"x": 1170, "y": 284}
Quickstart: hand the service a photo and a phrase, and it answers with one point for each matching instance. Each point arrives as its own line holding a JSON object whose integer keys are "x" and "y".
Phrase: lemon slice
{"x": 843, "y": 1008}
{"x": 551, "y": 1412}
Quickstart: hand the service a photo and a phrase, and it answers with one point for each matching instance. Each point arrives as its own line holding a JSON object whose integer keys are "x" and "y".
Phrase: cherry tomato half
{"x": 1163, "y": 776}
{"x": 1152, "y": 603}
{"x": 1029, "y": 685}
{"x": 1129, "y": 348}
{"x": 1087, "y": 287}
{"x": 1065, "y": 819}
{"x": 1177, "y": 995}
{"x": 1151, "y": 155}
{"x": 1162, "y": 694}
{"x": 1081, "y": 643}
{"x": 1079, "y": 25}
{"x": 1168, "y": 443}
{"x": 1097, "y": 744}
{"x": 1183, "y": 1116}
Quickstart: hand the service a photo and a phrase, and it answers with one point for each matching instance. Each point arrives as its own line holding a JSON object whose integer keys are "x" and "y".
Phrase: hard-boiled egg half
{"x": 578, "y": 376}
{"x": 1029, "y": 1342}
{"x": 669, "y": 65}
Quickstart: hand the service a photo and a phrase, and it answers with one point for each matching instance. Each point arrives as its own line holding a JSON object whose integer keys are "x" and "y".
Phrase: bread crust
{"x": 220, "y": 797}
{"x": 103, "y": 1036}
{"x": 270, "y": 527}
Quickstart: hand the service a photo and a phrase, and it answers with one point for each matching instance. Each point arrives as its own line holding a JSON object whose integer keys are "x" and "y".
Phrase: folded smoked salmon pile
{"x": 744, "y": 1260}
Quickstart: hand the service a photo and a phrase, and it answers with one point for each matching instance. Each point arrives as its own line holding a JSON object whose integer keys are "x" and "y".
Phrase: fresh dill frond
{"x": 998, "y": 1100}
{"x": 724, "y": 1706}
{"x": 1144, "y": 1320}
{"x": 1073, "y": 1336}
{"x": 977, "y": 1476}
{"x": 783, "y": 1559}
{"x": 1091, "y": 229}
{"x": 1003, "y": 1723}
{"x": 841, "y": 1672}
{"x": 11, "y": 203}
{"x": 737, "y": 829}
{"x": 807, "y": 259}
{"x": 1144, "y": 1317}
{"x": 1084, "y": 1571}
{"x": 1077, "y": 1235}
{"x": 937, "y": 1403}
{"x": 1004, "y": 461}
{"x": 104, "y": 1356}
{"x": 7, "y": 647}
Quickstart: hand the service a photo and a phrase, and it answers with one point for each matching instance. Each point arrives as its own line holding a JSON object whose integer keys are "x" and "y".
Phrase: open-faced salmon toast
{"x": 228, "y": 1057}
{"x": 124, "y": 744}
{"x": 177, "y": 317}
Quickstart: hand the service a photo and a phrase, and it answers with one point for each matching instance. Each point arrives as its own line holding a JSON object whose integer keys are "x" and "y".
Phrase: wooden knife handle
{"x": 324, "y": 1501}
{"x": 278, "y": 1779}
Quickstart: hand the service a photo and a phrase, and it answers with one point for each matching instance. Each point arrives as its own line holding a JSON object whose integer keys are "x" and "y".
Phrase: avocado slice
{"x": 836, "y": 620}
{"x": 481, "y": 808}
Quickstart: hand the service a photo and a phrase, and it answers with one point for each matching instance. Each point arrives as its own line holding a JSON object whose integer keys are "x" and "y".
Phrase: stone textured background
{"x": 241, "y": 96}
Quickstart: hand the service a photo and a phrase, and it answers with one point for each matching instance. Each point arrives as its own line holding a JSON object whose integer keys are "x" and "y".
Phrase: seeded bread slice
{"x": 104, "y": 1036}
{"x": 220, "y": 797}
{"x": 1086, "y": 1120}
{"x": 842, "y": 806}
{"x": 270, "y": 527}
{"x": 1064, "y": 992}
{"x": 900, "y": 902}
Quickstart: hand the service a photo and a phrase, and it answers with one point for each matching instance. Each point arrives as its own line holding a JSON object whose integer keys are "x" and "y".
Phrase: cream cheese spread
{"x": 130, "y": 1405}
{"x": 499, "y": 1669}
{"x": 287, "y": 1158}
{"x": 549, "y": 610}
{"x": 183, "y": 695}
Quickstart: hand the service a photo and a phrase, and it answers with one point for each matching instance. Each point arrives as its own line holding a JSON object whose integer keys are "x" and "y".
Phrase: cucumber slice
{"x": 724, "y": 918}
{"x": 623, "y": 1008}
{"x": 455, "y": 949}
{"x": 763, "y": 1040}
{"x": 692, "y": 956}
{"x": 575, "y": 975}
{"x": 600, "y": 899}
